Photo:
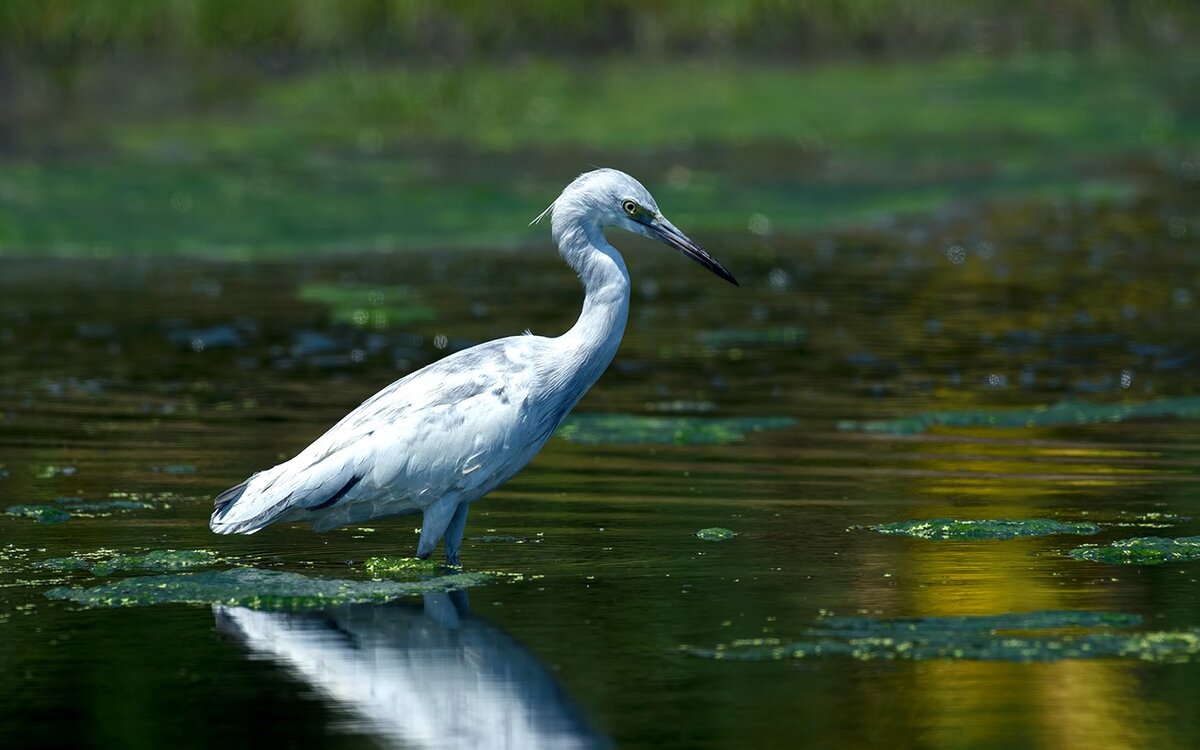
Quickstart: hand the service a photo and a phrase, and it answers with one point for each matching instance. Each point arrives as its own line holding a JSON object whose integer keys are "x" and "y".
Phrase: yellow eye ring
{"x": 630, "y": 207}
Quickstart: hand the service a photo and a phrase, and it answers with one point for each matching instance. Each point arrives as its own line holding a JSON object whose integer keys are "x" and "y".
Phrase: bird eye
{"x": 630, "y": 207}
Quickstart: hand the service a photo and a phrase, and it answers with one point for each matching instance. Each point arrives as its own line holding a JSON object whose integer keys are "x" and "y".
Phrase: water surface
{"x": 162, "y": 382}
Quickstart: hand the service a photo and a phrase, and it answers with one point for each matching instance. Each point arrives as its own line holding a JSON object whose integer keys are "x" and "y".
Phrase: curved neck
{"x": 592, "y": 342}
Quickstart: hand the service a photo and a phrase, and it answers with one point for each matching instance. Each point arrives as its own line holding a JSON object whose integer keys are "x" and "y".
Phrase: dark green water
{"x": 163, "y": 382}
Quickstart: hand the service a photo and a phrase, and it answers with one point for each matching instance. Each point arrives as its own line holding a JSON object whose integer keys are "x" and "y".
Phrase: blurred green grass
{"x": 61, "y": 33}
{"x": 968, "y": 107}
{"x": 367, "y": 157}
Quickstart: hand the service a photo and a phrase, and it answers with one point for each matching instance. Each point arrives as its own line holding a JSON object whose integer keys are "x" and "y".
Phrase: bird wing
{"x": 457, "y": 426}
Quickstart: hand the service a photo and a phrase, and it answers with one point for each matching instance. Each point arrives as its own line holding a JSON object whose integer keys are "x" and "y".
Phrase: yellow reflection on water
{"x": 1068, "y": 704}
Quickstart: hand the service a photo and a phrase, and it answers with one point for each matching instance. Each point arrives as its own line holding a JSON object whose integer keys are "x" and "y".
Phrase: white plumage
{"x": 446, "y": 435}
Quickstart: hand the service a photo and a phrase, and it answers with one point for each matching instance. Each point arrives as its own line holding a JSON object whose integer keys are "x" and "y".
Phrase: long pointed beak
{"x": 665, "y": 231}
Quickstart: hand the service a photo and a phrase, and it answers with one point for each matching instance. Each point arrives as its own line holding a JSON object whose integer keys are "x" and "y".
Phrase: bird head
{"x": 611, "y": 198}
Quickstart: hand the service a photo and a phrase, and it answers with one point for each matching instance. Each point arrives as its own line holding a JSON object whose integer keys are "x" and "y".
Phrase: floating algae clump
{"x": 629, "y": 429}
{"x": 105, "y": 507}
{"x": 1147, "y": 520}
{"x": 39, "y": 513}
{"x": 1007, "y": 621}
{"x": 1019, "y": 637}
{"x": 105, "y": 563}
{"x": 254, "y": 588}
{"x": 386, "y": 566}
{"x": 1063, "y": 413}
{"x": 715, "y": 534}
{"x": 1002, "y": 528}
{"x": 1144, "y": 550}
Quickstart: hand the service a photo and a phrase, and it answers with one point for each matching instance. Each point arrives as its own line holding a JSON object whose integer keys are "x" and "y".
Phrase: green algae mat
{"x": 1148, "y": 550}
{"x": 954, "y": 529}
{"x": 379, "y": 567}
{"x": 1017, "y": 637}
{"x": 1060, "y": 414}
{"x": 103, "y": 563}
{"x": 253, "y": 588}
{"x": 39, "y": 513}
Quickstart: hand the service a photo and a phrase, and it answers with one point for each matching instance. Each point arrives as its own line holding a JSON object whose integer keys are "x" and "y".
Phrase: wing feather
{"x": 456, "y": 426}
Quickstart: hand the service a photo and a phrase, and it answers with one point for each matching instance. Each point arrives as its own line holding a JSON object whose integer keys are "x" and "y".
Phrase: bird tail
{"x": 227, "y": 498}
{"x": 292, "y": 490}
{"x": 232, "y": 514}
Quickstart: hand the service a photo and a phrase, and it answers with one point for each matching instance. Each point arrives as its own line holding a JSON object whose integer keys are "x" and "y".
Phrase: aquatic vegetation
{"x": 1018, "y": 637}
{"x": 254, "y": 588}
{"x": 630, "y": 429}
{"x": 366, "y": 305}
{"x": 715, "y": 534}
{"x": 389, "y": 566}
{"x": 76, "y": 506}
{"x": 1063, "y": 413}
{"x": 1001, "y": 528}
{"x": 1146, "y": 550}
{"x": 501, "y": 539}
{"x": 39, "y": 513}
{"x": 105, "y": 562}
{"x": 1148, "y": 520}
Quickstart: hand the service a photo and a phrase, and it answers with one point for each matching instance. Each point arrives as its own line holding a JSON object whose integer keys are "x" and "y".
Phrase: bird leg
{"x": 454, "y": 533}
{"x": 433, "y": 525}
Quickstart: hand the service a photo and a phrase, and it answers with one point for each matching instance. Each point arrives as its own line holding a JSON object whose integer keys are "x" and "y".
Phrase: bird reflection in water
{"x": 422, "y": 675}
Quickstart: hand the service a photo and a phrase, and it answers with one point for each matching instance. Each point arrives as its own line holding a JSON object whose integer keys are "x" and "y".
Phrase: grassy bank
{"x": 394, "y": 157}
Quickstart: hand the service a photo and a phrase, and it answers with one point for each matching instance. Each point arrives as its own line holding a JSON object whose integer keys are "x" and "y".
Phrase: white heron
{"x": 442, "y": 437}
